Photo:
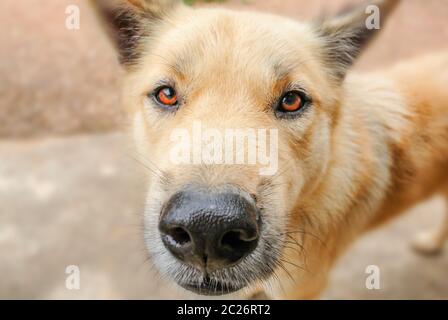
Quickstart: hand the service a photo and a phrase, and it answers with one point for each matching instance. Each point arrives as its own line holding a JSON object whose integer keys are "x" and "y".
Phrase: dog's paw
{"x": 428, "y": 243}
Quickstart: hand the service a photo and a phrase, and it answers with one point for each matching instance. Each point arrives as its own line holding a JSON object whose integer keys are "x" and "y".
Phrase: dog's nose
{"x": 209, "y": 230}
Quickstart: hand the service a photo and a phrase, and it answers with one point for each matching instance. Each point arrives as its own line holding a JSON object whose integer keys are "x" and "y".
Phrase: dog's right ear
{"x": 128, "y": 22}
{"x": 346, "y": 35}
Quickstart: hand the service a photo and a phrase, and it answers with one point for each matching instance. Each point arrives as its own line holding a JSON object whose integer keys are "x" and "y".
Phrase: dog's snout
{"x": 210, "y": 230}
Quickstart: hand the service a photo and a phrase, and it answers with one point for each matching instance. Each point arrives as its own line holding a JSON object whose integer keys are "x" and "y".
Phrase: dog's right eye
{"x": 166, "y": 96}
{"x": 291, "y": 104}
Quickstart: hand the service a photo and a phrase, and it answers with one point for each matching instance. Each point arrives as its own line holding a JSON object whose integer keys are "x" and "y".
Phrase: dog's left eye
{"x": 166, "y": 96}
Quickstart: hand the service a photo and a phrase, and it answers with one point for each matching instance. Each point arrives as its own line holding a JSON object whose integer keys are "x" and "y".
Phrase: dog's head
{"x": 232, "y": 114}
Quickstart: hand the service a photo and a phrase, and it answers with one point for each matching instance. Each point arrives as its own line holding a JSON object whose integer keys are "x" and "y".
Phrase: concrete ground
{"x": 78, "y": 201}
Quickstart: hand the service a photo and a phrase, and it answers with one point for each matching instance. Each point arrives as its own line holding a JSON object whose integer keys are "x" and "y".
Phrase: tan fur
{"x": 370, "y": 147}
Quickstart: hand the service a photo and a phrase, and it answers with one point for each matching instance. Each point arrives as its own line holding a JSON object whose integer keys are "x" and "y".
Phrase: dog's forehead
{"x": 223, "y": 40}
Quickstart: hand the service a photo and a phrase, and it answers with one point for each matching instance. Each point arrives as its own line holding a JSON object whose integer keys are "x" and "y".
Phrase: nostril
{"x": 231, "y": 239}
{"x": 180, "y": 236}
{"x": 237, "y": 239}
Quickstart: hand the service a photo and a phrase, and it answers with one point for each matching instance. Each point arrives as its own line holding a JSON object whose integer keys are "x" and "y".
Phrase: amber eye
{"x": 291, "y": 102}
{"x": 166, "y": 96}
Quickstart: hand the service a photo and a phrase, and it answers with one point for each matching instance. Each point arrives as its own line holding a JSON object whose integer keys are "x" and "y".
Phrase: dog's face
{"x": 229, "y": 71}
{"x": 217, "y": 228}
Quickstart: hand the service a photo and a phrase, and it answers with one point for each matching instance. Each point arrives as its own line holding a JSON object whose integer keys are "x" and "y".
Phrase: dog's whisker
{"x": 293, "y": 264}
{"x": 305, "y": 233}
{"x": 150, "y": 168}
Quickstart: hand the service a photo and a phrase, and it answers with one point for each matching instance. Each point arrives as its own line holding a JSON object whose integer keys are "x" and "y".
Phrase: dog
{"x": 354, "y": 150}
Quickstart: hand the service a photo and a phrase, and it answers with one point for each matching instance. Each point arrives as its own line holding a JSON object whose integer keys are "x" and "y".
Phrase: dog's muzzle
{"x": 209, "y": 231}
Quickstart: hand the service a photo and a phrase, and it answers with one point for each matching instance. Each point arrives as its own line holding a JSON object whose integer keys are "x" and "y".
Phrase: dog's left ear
{"x": 129, "y": 22}
{"x": 346, "y": 35}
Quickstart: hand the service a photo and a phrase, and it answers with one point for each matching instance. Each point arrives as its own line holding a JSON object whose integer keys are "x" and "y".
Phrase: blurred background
{"x": 71, "y": 193}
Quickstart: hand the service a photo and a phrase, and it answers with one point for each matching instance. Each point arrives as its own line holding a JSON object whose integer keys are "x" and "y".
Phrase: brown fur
{"x": 371, "y": 146}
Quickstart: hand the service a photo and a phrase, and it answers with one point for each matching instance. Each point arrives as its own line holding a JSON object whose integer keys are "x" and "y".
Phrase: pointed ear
{"x": 128, "y": 22}
{"x": 346, "y": 35}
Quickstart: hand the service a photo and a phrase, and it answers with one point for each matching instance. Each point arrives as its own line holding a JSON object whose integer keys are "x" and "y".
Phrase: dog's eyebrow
{"x": 281, "y": 71}
{"x": 178, "y": 64}
{"x": 176, "y": 69}
{"x": 181, "y": 64}
{"x": 179, "y": 67}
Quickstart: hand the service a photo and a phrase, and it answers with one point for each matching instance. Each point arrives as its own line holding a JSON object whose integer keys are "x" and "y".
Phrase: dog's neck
{"x": 357, "y": 181}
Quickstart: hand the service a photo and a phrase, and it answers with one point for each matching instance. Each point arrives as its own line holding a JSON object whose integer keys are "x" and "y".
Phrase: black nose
{"x": 208, "y": 230}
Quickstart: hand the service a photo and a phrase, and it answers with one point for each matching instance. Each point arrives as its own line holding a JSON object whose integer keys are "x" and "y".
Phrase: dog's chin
{"x": 205, "y": 288}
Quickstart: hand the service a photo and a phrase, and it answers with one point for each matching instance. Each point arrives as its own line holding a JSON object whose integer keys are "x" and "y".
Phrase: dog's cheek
{"x": 139, "y": 133}
{"x": 155, "y": 197}
{"x": 316, "y": 158}
{"x": 292, "y": 178}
